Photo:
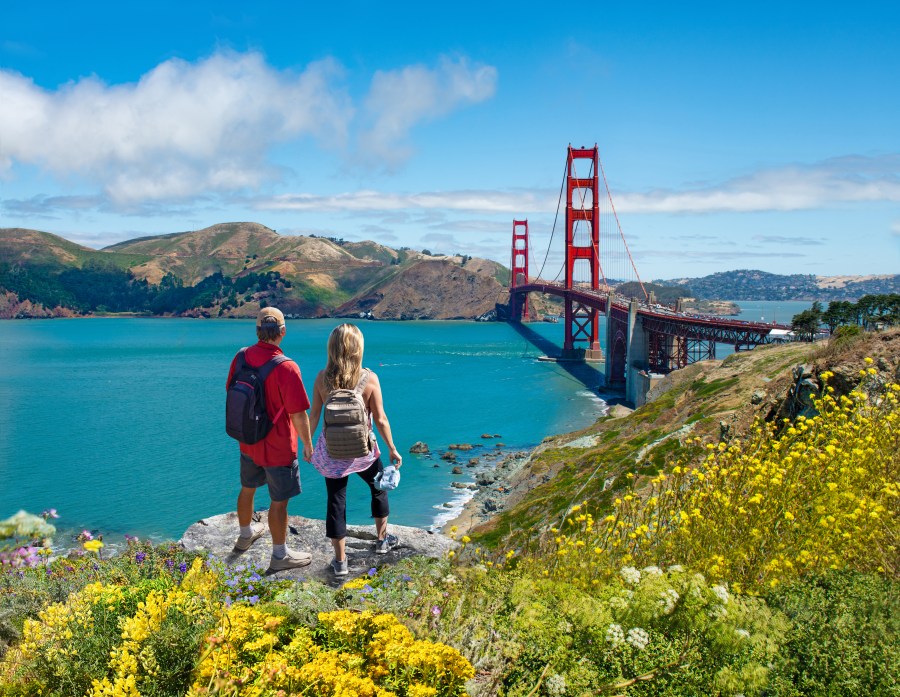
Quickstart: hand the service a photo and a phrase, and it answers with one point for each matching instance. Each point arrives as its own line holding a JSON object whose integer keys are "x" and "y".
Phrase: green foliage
{"x": 844, "y": 637}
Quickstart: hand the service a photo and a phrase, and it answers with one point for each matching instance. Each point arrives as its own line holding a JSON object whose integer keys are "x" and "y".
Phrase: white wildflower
{"x": 615, "y": 635}
{"x": 721, "y": 593}
{"x": 631, "y": 575}
{"x": 676, "y": 569}
{"x": 450, "y": 578}
{"x": 668, "y": 599}
{"x": 618, "y": 603}
{"x": 742, "y": 633}
{"x": 638, "y": 638}
{"x": 652, "y": 570}
{"x": 555, "y": 685}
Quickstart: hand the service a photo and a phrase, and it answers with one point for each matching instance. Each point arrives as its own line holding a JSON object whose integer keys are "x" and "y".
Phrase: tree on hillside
{"x": 806, "y": 324}
{"x": 839, "y": 312}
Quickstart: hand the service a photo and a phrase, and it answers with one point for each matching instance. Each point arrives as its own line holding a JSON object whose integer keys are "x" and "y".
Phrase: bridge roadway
{"x": 721, "y": 330}
{"x": 642, "y": 338}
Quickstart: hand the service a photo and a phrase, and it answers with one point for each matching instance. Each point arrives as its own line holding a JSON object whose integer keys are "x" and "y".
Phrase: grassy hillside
{"x": 704, "y": 400}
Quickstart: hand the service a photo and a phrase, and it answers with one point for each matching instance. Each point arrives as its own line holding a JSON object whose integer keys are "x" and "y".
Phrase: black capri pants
{"x": 336, "y": 515}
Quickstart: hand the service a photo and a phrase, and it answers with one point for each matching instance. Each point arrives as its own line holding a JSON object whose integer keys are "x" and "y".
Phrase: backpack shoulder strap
{"x": 240, "y": 360}
{"x": 363, "y": 381}
{"x": 270, "y": 365}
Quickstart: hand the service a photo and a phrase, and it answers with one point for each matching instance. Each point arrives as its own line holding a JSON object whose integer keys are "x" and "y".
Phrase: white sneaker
{"x": 291, "y": 560}
{"x": 243, "y": 543}
{"x": 340, "y": 568}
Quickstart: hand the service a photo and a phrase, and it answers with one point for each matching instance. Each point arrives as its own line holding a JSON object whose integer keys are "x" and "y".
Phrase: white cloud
{"x": 848, "y": 179}
{"x": 400, "y": 99}
{"x": 485, "y": 201}
{"x": 182, "y": 129}
{"x": 851, "y": 179}
{"x": 895, "y": 229}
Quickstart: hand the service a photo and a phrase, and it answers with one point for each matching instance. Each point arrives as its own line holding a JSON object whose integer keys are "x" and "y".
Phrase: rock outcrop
{"x": 217, "y": 534}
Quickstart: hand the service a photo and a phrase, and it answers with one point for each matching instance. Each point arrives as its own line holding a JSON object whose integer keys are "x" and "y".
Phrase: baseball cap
{"x": 387, "y": 479}
{"x": 270, "y": 315}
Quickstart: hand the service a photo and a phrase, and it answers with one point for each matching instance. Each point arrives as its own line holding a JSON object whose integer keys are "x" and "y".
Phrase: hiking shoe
{"x": 385, "y": 545}
{"x": 243, "y": 543}
{"x": 340, "y": 568}
{"x": 291, "y": 560}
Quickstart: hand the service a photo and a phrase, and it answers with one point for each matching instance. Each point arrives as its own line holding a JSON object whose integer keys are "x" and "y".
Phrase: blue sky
{"x": 733, "y": 135}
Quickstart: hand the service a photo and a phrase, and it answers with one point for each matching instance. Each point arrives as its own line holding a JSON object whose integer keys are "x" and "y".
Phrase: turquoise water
{"x": 119, "y": 425}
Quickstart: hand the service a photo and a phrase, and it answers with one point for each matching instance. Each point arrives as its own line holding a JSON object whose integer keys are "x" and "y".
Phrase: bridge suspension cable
{"x": 553, "y": 231}
{"x": 619, "y": 226}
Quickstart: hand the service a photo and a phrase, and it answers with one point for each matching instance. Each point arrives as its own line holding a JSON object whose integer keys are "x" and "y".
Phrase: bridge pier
{"x": 636, "y": 355}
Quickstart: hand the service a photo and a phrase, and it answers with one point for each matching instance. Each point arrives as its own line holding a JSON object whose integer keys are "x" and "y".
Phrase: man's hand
{"x": 395, "y": 458}
{"x": 301, "y": 424}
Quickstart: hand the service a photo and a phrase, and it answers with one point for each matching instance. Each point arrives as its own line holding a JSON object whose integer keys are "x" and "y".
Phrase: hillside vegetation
{"x": 232, "y": 269}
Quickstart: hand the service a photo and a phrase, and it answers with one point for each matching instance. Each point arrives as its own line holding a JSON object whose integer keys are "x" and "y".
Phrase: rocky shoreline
{"x": 501, "y": 478}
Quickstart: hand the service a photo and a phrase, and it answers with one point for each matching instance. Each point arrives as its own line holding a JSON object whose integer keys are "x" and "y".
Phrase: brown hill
{"x": 432, "y": 289}
{"x": 315, "y": 275}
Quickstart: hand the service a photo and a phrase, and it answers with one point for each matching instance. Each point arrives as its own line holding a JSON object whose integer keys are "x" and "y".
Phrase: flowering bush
{"x": 820, "y": 493}
{"x": 253, "y": 652}
{"x": 108, "y": 639}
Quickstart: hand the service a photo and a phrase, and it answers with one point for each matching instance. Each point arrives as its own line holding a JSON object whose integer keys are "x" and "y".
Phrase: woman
{"x": 344, "y": 371}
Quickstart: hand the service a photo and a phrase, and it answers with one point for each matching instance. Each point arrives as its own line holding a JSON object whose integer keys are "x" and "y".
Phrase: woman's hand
{"x": 396, "y": 460}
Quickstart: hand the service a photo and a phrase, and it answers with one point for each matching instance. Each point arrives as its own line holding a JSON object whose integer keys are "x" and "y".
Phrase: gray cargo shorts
{"x": 284, "y": 481}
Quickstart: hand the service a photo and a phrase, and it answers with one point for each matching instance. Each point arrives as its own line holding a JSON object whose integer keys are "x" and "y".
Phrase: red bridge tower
{"x": 519, "y": 270}
{"x": 581, "y": 320}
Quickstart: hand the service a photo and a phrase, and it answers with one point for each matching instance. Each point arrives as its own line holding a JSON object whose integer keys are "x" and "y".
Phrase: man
{"x": 273, "y": 460}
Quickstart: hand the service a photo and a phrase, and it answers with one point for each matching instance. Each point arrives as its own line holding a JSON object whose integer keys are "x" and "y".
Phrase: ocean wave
{"x": 460, "y": 499}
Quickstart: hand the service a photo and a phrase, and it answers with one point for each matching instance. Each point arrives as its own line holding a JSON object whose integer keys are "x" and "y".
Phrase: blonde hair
{"x": 345, "y": 352}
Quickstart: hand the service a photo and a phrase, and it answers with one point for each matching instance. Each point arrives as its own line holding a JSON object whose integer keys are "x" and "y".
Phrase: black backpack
{"x": 245, "y": 404}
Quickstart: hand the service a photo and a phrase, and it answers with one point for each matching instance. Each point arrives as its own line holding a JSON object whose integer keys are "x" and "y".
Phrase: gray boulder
{"x": 217, "y": 534}
{"x": 419, "y": 448}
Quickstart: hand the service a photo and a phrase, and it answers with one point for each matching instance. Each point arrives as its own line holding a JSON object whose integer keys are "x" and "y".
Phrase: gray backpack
{"x": 346, "y": 422}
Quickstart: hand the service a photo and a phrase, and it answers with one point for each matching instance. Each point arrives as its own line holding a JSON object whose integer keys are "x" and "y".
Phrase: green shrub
{"x": 844, "y": 638}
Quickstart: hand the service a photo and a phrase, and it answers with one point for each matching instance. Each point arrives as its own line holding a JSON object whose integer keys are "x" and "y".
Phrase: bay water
{"x": 118, "y": 423}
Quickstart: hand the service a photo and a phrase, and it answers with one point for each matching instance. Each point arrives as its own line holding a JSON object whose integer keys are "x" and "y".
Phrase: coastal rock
{"x": 485, "y": 479}
{"x": 497, "y": 435}
{"x": 486, "y": 435}
{"x": 459, "y": 485}
{"x": 449, "y": 457}
{"x": 456, "y": 470}
{"x": 460, "y": 446}
{"x": 473, "y": 462}
{"x": 419, "y": 448}
{"x": 757, "y": 397}
{"x": 217, "y": 535}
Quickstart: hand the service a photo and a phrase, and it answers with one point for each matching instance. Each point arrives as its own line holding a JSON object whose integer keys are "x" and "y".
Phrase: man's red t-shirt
{"x": 284, "y": 393}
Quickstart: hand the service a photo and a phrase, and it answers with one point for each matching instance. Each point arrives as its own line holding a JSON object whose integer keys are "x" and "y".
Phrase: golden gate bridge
{"x": 642, "y": 336}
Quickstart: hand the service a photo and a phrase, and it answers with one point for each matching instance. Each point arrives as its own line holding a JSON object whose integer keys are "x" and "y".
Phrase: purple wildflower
{"x": 170, "y": 563}
{"x": 367, "y": 588}
{"x": 49, "y": 513}
{"x": 435, "y": 610}
{"x": 406, "y": 577}
{"x": 373, "y": 571}
{"x": 139, "y": 557}
{"x": 182, "y": 567}
{"x": 253, "y": 599}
